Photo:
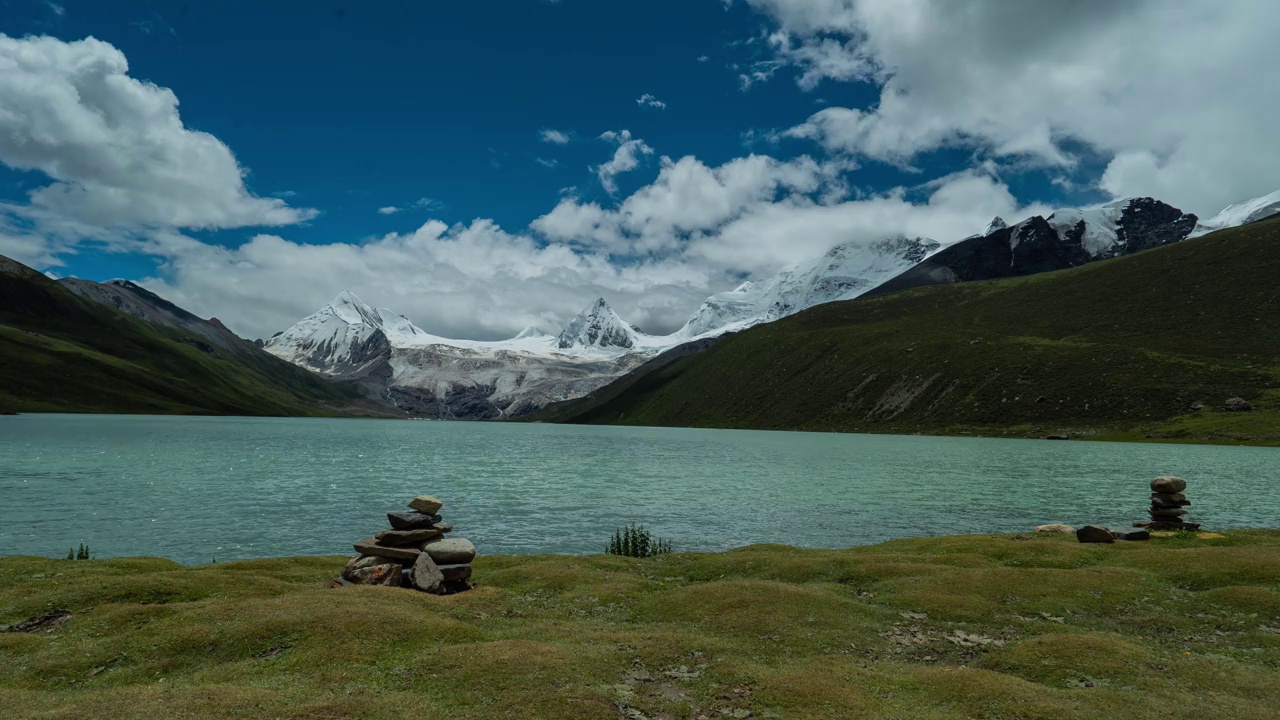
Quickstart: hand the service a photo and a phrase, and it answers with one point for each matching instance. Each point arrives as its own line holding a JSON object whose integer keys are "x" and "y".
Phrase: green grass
{"x": 932, "y": 628}
{"x": 62, "y": 353}
{"x": 1120, "y": 349}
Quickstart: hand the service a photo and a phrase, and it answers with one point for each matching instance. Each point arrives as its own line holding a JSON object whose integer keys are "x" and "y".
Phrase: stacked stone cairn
{"x": 1167, "y": 503}
{"x": 414, "y": 553}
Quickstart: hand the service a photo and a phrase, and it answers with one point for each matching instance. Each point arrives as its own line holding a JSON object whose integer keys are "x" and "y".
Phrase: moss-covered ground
{"x": 1024, "y": 627}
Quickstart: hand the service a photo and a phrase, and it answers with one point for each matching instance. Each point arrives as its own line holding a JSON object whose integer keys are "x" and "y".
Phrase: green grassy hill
{"x": 1127, "y": 348}
{"x": 1001, "y": 627}
{"x": 60, "y": 352}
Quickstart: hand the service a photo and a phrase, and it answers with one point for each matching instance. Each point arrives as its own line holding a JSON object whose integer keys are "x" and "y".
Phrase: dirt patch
{"x": 48, "y": 622}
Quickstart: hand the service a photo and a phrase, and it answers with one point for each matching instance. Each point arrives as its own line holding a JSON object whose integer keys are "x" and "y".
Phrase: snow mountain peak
{"x": 842, "y": 273}
{"x": 996, "y": 224}
{"x": 597, "y": 327}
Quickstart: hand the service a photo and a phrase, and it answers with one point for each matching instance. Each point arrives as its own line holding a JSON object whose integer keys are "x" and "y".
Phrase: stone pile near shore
{"x": 1167, "y": 503}
{"x": 413, "y": 553}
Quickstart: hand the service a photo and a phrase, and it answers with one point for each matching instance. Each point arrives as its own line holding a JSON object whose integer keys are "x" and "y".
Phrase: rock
{"x": 444, "y": 527}
{"x": 1094, "y": 534}
{"x": 426, "y": 504}
{"x": 1168, "y": 484}
{"x": 1170, "y": 500}
{"x": 450, "y": 551}
{"x": 1166, "y": 513}
{"x": 388, "y": 575}
{"x": 1165, "y": 525}
{"x": 1237, "y": 405}
{"x": 363, "y": 561}
{"x": 1135, "y": 534}
{"x": 1055, "y": 529}
{"x": 1057, "y": 437}
{"x": 369, "y": 546}
{"x": 455, "y": 573}
{"x": 427, "y": 576}
{"x": 338, "y": 583}
{"x": 411, "y": 520}
{"x": 401, "y": 538}
{"x": 1197, "y": 406}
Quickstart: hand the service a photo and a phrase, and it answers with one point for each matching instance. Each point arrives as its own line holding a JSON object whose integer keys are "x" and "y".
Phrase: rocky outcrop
{"x": 1066, "y": 239}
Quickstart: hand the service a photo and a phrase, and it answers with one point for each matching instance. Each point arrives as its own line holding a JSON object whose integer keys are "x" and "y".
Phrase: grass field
{"x": 1122, "y": 349}
{"x": 1026, "y": 627}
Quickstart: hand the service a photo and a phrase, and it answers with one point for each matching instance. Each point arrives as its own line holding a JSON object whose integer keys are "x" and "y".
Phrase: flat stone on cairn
{"x": 414, "y": 553}
{"x": 1167, "y": 503}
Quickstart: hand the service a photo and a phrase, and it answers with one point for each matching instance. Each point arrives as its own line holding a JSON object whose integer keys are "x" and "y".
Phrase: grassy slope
{"x": 926, "y": 629}
{"x": 1120, "y": 349}
{"x": 87, "y": 357}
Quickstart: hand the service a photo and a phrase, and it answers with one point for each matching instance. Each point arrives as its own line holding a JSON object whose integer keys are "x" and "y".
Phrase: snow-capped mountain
{"x": 598, "y": 327}
{"x": 426, "y": 375}
{"x": 843, "y": 273}
{"x": 345, "y": 338}
{"x": 1067, "y": 238}
{"x": 1241, "y": 214}
{"x": 1122, "y": 227}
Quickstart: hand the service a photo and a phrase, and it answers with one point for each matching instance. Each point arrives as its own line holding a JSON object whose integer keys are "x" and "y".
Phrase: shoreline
{"x": 1107, "y": 436}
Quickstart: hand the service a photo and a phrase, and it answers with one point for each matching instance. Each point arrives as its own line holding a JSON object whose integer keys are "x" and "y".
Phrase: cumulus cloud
{"x": 1167, "y": 91}
{"x": 650, "y": 101}
{"x": 694, "y": 231}
{"x": 625, "y": 159}
{"x": 555, "y": 137}
{"x": 474, "y": 281}
{"x": 115, "y": 148}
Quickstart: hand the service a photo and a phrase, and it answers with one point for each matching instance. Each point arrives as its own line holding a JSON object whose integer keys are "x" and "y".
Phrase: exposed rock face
{"x": 1094, "y": 534}
{"x": 1066, "y": 239}
{"x": 1132, "y": 535}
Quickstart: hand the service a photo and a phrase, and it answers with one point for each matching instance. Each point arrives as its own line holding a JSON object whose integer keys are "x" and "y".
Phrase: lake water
{"x": 193, "y": 489}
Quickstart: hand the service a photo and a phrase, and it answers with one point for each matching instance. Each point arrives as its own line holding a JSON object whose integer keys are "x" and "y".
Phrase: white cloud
{"x": 1173, "y": 93}
{"x": 466, "y": 281}
{"x": 648, "y": 100}
{"x": 552, "y": 163}
{"x": 116, "y": 149}
{"x": 693, "y": 231}
{"x": 703, "y": 58}
{"x": 625, "y": 159}
{"x": 555, "y": 137}
{"x": 419, "y": 204}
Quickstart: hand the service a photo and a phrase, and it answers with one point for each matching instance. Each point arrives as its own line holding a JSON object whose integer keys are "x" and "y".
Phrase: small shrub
{"x": 634, "y": 541}
{"x": 80, "y": 553}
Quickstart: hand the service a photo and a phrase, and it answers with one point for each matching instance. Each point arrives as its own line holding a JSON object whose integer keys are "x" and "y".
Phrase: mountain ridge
{"x": 1149, "y": 345}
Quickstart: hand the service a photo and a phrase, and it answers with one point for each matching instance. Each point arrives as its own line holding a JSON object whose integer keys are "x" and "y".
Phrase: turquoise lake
{"x": 196, "y": 488}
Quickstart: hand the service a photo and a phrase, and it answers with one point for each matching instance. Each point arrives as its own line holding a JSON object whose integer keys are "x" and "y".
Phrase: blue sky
{"x": 437, "y": 109}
